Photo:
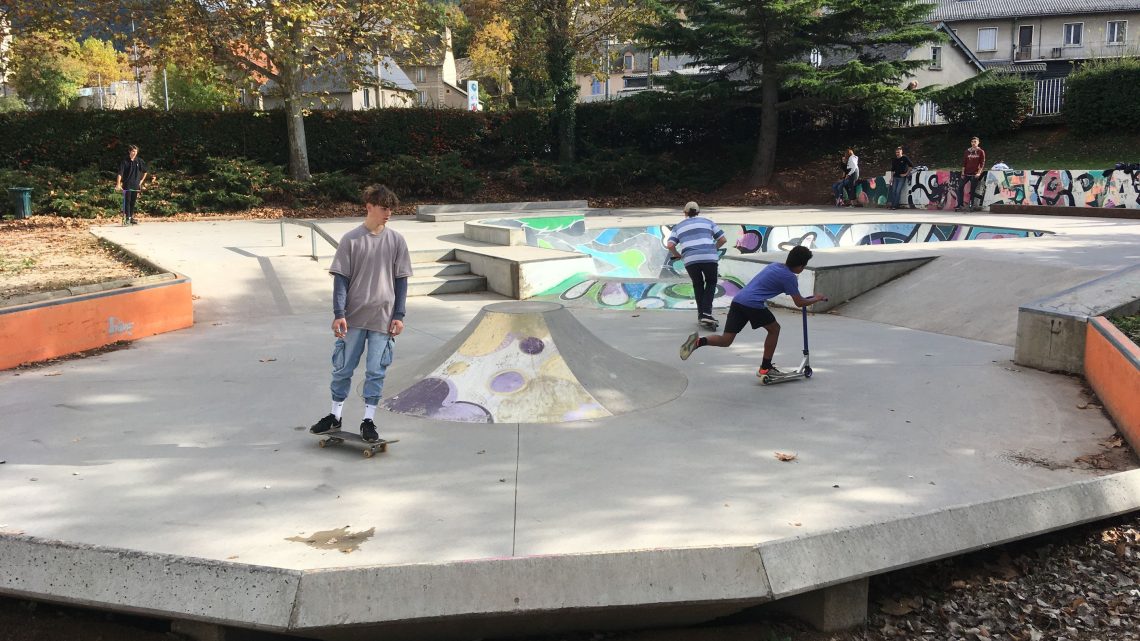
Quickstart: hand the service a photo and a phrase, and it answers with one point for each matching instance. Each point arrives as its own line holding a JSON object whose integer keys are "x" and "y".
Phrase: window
{"x": 1074, "y": 31}
{"x": 816, "y": 58}
{"x": 421, "y": 97}
{"x": 421, "y": 74}
{"x": 936, "y": 57}
{"x": 367, "y": 93}
{"x": 1117, "y": 31}
{"x": 596, "y": 87}
{"x": 987, "y": 39}
{"x": 627, "y": 62}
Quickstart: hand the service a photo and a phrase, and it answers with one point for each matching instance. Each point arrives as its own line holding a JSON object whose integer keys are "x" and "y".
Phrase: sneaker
{"x": 329, "y": 423}
{"x": 708, "y": 321}
{"x": 133, "y": 221}
{"x": 771, "y": 371}
{"x": 688, "y": 346}
{"x": 368, "y": 431}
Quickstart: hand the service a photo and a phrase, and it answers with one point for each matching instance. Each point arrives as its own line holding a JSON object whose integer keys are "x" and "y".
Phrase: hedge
{"x": 987, "y": 104}
{"x": 1103, "y": 95}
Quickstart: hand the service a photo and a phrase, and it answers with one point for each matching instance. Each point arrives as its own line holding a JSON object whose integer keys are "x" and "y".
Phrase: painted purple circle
{"x": 507, "y": 382}
{"x": 531, "y": 345}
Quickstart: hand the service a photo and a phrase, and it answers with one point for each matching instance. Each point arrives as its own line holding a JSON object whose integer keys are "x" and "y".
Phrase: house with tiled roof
{"x": 434, "y": 72}
{"x": 383, "y": 85}
{"x": 1043, "y": 37}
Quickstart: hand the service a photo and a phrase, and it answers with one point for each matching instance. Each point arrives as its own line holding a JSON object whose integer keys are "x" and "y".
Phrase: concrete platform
{"x": 176, "y": 477}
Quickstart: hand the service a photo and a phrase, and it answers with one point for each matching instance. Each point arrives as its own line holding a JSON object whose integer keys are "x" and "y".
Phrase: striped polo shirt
{"x": 696, "y": 239}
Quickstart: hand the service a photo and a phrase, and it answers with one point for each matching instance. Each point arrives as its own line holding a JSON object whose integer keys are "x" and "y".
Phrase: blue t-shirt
{"x": 696, "y": 238}
{"x": 773, "y": 280}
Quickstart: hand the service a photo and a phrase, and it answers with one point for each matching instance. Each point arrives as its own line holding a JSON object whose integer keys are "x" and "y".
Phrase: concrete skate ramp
{"x": 532, "y": 362}
{"x": 961, "y": 295}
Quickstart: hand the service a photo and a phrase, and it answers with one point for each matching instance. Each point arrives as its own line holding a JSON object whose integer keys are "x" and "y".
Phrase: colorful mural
{"x": 507, "y": 370}
{"x": 1054, "y": 187}
{"x": 669, "y": 288}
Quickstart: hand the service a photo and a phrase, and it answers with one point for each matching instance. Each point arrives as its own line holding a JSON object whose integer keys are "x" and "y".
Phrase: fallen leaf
{"x": 267, "y": 360}
{"x": 1113, "y": 441}
{"x": 782, "y": 456}
{"x": 896, "y": 608}
{"x": 53, "y": 374}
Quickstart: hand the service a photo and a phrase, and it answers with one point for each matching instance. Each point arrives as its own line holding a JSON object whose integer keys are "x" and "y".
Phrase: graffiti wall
{"x": 938, "y": 190}
{"x": 667, "y": 286}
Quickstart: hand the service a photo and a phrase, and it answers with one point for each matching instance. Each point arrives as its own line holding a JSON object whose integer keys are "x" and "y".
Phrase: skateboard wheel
{"x": 807, "y": 372}
{"x": 367, "y": 453}
{"x": 322, "y": 443}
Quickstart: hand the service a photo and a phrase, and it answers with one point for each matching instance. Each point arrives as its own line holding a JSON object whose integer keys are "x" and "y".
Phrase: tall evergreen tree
{"x": 796, "y": 53}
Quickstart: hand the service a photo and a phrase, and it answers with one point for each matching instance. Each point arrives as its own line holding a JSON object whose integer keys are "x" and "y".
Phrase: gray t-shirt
{"x": 371, "y": 262}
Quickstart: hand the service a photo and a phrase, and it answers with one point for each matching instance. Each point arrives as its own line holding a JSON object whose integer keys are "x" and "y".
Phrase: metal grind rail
{"x": 314, "y": 231}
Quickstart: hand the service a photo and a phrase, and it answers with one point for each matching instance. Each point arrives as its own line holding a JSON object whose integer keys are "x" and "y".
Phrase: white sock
{"x": 337, "y": 409}
{"x": 369, "y": 412}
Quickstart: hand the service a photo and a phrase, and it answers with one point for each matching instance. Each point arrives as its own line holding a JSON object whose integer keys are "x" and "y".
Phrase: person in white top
{"x": 844, "y": 190}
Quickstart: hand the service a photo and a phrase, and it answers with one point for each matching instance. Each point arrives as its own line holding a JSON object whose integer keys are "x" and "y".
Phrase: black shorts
{"x": 739, "y": 315}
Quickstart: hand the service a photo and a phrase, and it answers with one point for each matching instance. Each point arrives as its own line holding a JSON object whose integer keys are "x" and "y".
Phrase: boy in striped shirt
{"x": 699, "y": 240}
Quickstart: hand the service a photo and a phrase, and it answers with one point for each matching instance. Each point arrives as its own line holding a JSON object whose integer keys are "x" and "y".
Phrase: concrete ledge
{"x": 460, "y": 211}
{"x": 815, "y": 561}
{"x": 522, "y": 277}
{"x": 1048, "y": 210}
{"x": 145, "y": 583}
{"x": 1051, "y": 332}
{"x": 1112, "y": 366}
{"x": 110, "y": 313}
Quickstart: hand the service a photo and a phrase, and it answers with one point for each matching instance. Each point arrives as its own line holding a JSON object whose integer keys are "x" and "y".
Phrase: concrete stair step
{"x": 440, "y": 268}
{"x": 437, "y": 254}
{"x": 454, "y": 284}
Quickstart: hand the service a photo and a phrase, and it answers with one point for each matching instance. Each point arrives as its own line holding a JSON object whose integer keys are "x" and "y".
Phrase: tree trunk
{"x": 764, "y": 162}
{"x": 560, "y": 64}
{"x": 292, "y": 73}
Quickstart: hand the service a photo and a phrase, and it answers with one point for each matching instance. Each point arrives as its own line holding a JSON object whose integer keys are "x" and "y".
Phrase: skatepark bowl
{"x": 558, "y": 467}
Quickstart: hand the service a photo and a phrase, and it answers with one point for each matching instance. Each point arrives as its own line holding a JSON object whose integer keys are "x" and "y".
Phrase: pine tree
{"x": 790, "y": 54}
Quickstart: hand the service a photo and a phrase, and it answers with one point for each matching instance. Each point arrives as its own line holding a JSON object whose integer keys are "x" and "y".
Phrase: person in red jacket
{"x": 973, "y": 164}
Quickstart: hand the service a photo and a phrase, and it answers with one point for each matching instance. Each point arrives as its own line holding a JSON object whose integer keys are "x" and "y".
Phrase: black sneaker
{"x": 329, "y": 423}
{"x": 133, "y": 221}
{"x": 368, "y": 431}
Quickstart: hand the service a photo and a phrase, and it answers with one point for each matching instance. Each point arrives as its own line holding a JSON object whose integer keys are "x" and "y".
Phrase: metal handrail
{"x": 314, "y": 230}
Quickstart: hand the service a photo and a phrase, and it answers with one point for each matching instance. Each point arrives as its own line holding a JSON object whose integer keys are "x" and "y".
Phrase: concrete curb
{"x": 319, "y": 601}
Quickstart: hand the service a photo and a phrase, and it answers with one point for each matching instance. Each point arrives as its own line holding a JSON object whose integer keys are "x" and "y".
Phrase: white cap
{"x": 692, "y": 207}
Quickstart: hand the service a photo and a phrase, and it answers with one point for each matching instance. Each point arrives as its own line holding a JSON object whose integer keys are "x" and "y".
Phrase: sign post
{"x": 473, "y": 95}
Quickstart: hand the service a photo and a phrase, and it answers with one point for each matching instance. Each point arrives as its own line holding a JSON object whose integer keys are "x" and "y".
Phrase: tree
{"x": 573, "y": 33}
{"x": 201, "y": 88}
{"x": 46, "y": 71}
{"x": 764, "y": 51}
{"x": 101, "y": 63}
{"x": 285, "y": 41}
{"x": 491, "y": 51}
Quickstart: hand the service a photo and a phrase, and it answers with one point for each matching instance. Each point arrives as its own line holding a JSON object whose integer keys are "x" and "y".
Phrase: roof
{"x": 900, "y": 51}
{"x": 958, "y": 10}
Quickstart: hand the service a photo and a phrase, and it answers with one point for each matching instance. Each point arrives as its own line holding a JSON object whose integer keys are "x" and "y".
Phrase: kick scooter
{"x": 804, "y": 370}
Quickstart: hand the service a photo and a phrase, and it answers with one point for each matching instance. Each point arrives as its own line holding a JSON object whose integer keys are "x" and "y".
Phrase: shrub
{"x": 433, "y": 177}
{"x": 1102, "y": 95}
{"x": 987, "y": 104}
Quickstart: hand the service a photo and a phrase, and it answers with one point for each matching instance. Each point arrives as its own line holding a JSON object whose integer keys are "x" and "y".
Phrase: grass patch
{"x": 1130, "y": 325}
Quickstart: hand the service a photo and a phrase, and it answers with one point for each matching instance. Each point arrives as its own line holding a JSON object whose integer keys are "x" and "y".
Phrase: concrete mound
{"x": 532, "y": 362}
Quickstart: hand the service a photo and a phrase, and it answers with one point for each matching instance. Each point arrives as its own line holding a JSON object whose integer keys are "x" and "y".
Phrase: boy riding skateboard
{"x": 750, "y": 306}
{"x": 699, "y": 240}
{"x": 370, "y": 284}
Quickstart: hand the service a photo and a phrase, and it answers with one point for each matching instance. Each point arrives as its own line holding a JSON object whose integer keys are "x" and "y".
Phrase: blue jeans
{"x": 898, "y": 184}
{"x": 346, "y": 356}
{"x": 841, "y": 189}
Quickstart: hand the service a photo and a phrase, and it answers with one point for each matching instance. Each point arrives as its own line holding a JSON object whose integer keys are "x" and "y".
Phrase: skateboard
{"x": 338, "y": 437}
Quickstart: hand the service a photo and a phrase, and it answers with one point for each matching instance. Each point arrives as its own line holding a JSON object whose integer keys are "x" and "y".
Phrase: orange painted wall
{"x": 1114, "y": 376}
{"x": 40, "y": 331}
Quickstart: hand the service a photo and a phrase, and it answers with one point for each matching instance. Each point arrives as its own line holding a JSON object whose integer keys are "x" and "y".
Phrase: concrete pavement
{"x": 186, "y": 456}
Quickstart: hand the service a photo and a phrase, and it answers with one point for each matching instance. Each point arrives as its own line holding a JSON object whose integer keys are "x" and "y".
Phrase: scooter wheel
{"x": 807, "y": 372}
{"x": 764, "y": 380}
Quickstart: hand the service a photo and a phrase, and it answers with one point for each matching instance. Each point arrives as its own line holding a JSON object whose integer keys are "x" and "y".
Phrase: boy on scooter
{"x": 750, "y": 306}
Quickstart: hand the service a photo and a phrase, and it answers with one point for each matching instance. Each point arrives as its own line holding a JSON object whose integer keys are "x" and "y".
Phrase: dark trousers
{"x": 704, "y": 277}
{"x": 973, "y": 182}
{"x": 130, "y": 196}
